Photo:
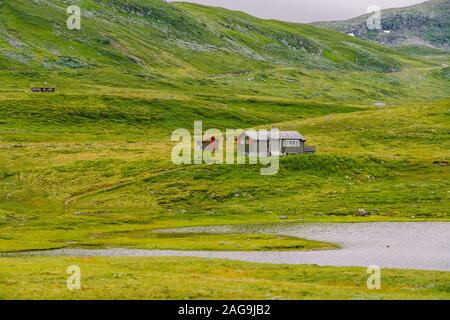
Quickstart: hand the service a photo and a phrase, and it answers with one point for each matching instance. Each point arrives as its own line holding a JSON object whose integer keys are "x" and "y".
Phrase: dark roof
{"x": 266, "y": 135}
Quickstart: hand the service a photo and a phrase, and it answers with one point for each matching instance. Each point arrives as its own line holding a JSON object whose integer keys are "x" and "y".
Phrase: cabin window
{"x": 291, "y": 143}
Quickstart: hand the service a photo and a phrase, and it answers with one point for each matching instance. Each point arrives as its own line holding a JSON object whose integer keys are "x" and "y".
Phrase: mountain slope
{"x": 186, "y": 49}
{"x": 135, "y": 32}
{"x": 159, "y": 38}
{"x": 426, "y": 24}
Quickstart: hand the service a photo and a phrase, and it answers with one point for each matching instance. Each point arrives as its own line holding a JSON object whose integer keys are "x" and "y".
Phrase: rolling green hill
{"x": 152, "y": 35}
{"x": 90, "y": 164}
{"x": 425, "y": 24}
{"x": 184, "y": 47}
{"x": 139, "y": 69}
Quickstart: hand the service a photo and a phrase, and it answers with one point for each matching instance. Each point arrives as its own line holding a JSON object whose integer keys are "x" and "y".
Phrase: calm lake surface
{"x": 421, "y": 245}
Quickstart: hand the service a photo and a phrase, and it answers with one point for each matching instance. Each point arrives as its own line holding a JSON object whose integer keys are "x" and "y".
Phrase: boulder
{"x": 362, "y": 212}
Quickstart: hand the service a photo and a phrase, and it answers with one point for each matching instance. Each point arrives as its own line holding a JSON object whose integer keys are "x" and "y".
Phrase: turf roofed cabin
{"x": 267, "y": 143}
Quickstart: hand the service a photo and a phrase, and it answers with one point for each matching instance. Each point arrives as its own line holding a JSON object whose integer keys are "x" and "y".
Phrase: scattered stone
{"x": 72, "y": 62}
{"x": 79, "y": 213}
{"x": 283, "y": 217}
{"x": 380, "y": 104}
{"x": 18, "y": 56}
{"x": 441, "y": 163}
{"x": 118, "y": 275}
{"x": 15, "y": 43}
{"x": 362, "y": 213}
{"x": 43, "y": 90}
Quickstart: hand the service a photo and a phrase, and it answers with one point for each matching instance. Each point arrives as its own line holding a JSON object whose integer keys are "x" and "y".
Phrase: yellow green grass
{"x": 190, "y": 278}
{"x": 145, "y": 239}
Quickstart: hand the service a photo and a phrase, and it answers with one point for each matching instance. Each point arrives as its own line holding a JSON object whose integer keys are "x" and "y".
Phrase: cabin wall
{"x": 287, "y": 149}
{"x": 286, "y": 146}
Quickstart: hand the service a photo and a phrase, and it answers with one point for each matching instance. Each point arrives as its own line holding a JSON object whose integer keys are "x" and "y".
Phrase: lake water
{"x": 421, "y": 245}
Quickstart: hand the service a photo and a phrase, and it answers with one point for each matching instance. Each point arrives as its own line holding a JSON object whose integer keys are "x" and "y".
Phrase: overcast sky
{"x": 305, "y": 10}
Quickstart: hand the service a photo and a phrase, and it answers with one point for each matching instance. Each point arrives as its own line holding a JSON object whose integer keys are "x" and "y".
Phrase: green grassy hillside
{"x": 425, "y": 24}
{"x": 94, "y": 158}
{"x": 196, "y": 279}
